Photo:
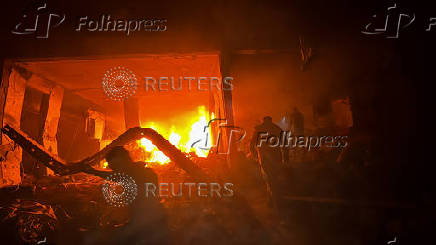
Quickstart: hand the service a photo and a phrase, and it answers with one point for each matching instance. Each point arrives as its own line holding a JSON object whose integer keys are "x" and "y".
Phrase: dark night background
{"x": 382, "y": 76}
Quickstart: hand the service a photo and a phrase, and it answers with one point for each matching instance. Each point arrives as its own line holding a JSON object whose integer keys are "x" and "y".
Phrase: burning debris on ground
{"x": 80, "y": 195}
{"x": 246, "y": 218}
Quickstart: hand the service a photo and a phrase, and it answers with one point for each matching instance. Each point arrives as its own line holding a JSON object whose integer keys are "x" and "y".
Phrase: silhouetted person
{"x": 297, "y": 122}
{"x": 296, "y": 125}
{"x": 119, "y": 160}
{"x": 270, "y": 158}
{"x": 147, "y": 224}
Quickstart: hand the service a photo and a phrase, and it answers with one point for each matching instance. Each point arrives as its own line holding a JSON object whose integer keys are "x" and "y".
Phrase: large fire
{"x": 182, "y": 134}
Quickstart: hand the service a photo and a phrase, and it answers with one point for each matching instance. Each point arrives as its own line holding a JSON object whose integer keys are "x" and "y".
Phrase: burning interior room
{"x": 216, "y": 123}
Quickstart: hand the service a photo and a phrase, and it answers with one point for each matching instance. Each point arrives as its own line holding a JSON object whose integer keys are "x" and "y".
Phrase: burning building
{"x": 190, "y": 90}
{"x": 66, "y": 99}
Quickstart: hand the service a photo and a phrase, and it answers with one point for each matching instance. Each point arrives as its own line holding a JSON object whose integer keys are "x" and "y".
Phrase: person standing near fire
{"x": 148, "y": 221}
{"x": 270, "y": 158}
{"x": 296, "y": 125}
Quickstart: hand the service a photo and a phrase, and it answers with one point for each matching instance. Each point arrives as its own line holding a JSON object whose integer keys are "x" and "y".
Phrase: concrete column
{"x": 99, "y": 123}
{"x": 52, "y": 120}
{"x": 131, "y": 112}
{"x": 227, "y": 105}
{"x": 11, "y": 156}
{"x": 225, "y": 63}
{"x": 99, "y": 120}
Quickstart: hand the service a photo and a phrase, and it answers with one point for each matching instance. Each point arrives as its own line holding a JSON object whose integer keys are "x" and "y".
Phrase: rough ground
{"x": 80, "y": 212}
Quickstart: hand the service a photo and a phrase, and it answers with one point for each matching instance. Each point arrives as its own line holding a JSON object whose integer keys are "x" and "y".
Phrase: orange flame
{"x": 195, "y": 138}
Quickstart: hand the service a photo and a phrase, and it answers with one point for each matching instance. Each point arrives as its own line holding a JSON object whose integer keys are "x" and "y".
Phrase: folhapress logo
{"x": 392, "y": 23}
{"x": 38, "y": 20}
{"x": 395, "y": 20}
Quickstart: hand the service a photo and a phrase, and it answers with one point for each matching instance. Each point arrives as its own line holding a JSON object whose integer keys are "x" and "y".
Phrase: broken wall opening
{"x": 69, "y": 91}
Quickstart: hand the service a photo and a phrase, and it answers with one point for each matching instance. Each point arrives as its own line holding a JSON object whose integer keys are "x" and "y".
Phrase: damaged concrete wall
{"x": 14, "y": 90}
{"x": 76, "y": 141}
